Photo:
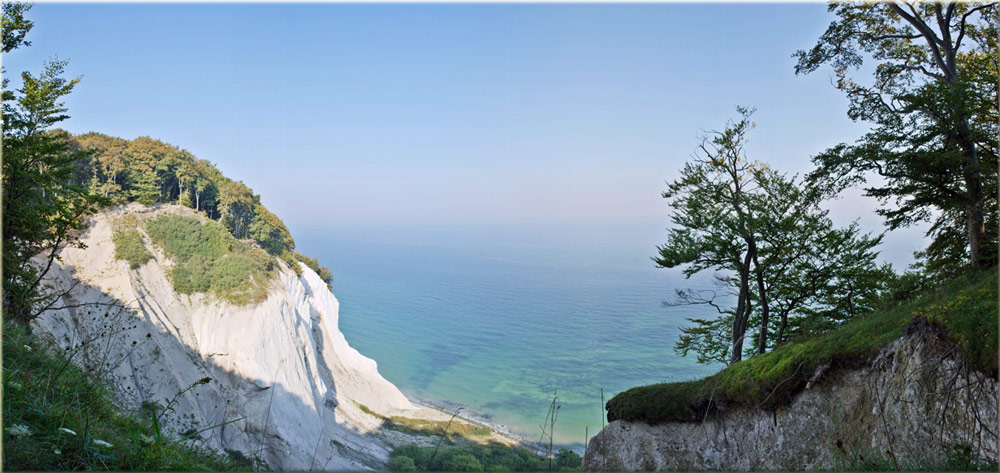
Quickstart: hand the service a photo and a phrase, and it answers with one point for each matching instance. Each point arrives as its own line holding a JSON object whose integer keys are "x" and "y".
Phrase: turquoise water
{"x": 496, "y": 319}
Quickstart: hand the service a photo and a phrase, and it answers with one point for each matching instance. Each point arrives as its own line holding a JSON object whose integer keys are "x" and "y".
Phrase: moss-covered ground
{"x": 965, "y": 307}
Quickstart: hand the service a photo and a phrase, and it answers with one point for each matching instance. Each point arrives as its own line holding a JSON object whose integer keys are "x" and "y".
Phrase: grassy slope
{"x": 43, "y": 394}
{"x": 210, "y": 260}
{"x": 965, "y": 307}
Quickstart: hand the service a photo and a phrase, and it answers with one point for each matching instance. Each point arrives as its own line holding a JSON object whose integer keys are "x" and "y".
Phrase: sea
{"x": 500, "y": 320}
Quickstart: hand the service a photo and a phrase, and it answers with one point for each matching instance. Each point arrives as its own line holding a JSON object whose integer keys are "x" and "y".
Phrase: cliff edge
{"x": 275, "y": 380}
{"x": 917, "y": 402}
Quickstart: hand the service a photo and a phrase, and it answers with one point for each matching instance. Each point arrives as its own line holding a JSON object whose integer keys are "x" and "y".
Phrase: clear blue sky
{"x": 448, "y": 113}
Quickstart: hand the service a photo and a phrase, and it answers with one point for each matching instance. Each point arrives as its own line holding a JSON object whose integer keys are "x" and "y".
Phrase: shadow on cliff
{"x": 148, "y": 361}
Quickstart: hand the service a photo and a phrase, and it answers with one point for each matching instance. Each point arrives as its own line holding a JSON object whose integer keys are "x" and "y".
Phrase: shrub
{"x": 129, "y": 247}
{"x": 401, "y": 463}
{"x": 324, "y": 273}
{"x": 464, "y": 462}
{"x": 488, "y": 457}
{"x": 210, "y": 260}
{"x": 567, "y": 458}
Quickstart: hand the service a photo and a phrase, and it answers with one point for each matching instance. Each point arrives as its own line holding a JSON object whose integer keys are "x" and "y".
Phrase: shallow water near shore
{"x": 498, "y": 319}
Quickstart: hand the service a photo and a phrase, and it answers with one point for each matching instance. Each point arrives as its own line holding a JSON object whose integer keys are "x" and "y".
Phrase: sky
{"x": 449, "y": 113}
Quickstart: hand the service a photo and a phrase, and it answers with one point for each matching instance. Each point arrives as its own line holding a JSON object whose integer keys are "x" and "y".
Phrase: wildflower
{"x": 26, "y": 347}
{"x": 57, "y": 451}
{"x": 64, "y": 429}
{"x": 14, "y": 385}
{"x": 101, "y": 443}
{"x": 18, "y": 430}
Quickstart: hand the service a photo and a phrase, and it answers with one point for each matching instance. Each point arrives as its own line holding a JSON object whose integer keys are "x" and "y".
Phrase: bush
{"x": 463, "y": 463}
{"x": 129, "y": 247}
{"x": 401, "y": 463}
{"x": 210, "y": 260}
{"x": 324, "y": 273}
{"x": 567, "y": 458}
{"x": 488, "y": 457}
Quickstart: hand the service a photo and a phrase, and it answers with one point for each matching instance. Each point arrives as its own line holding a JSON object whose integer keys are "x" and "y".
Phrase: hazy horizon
{"x": 447, "y": 113}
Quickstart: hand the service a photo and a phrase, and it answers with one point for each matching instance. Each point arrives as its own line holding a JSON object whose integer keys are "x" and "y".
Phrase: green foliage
{"x": 15, "y": 26}
{"x": 207, "y": 259}
{"x": 568, "y": 459}
{"x": 129, "y": 247}
{"x": 324, "y": 273}
{"x": 401, "y": 463}
{"x": 44, "y": 204}
{"x": 933, "y": 103}
{"x": 44, "y": 393}
{"x": 491, "y": 457}
{"x": 150, "y": 171}
{"x": 776, "y": 248}
{"x": 462, "y": 463}
{"x": 965, "y": 307}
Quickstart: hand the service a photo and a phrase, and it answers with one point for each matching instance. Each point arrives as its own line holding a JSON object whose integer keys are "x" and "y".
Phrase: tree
{"x": 933, "y": 102}
{"x": 463, "y": 462}
{"x": 712, "y": 224}
{"x": 15, "y": 26}
{"x": 43, "y": 205}
{"x": 774, "y": 248}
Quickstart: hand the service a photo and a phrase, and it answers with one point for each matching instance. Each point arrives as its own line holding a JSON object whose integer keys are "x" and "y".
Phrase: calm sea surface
{"x": 496, "y": 319}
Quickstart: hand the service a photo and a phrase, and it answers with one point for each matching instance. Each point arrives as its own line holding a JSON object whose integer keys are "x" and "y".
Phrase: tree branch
{"x": 961, "y": 25}
{"x": 932, "y": 40}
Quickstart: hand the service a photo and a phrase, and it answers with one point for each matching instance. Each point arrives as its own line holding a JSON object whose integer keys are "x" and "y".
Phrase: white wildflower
{"x": 18, "y": 430}
{"x": 102, "y": 443}
{"x": 14, "y": 385}
{"x": 64, "y": 429}
{"x": 26, "y": 347}
{"x": 57, "y": 451}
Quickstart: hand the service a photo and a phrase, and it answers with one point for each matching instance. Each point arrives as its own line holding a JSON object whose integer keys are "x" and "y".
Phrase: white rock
{"x": 281, "y": 369}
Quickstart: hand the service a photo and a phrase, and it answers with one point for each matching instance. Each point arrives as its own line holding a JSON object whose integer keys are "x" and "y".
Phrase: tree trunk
{"x": 781, "y": 327}
{"x": 742, "y": 311}
{"x": 762, "y": 341}
{"x": 974, "y": 189}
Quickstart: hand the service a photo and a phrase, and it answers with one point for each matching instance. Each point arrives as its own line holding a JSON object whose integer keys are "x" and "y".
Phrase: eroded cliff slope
{"x": 275, "y": 379}
{"x": 916, "y": 403}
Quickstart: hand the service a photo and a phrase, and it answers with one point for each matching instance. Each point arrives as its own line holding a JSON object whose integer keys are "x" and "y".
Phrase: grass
{"x": 456, "y": 431}
{"x": 128, "y": 242}
{"x": 58, "y": 417}
{"x": 208, "y": 259}
{"x": 966, "y": 308}
{"x": 492, "y": 457}
{"x": 129, "y": 247}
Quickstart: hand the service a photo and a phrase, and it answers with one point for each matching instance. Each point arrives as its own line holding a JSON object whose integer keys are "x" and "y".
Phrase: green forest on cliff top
{"x": 808, "y": 293}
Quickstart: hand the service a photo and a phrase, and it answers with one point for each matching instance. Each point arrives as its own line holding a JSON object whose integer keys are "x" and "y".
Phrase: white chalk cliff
{"x": 283, "y": 383}
{"x": 916, "y": 403}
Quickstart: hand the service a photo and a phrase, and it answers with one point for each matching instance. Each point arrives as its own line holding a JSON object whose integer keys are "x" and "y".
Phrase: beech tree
{"x": 712, "y": 225}
{"x": 772, "y": 246}
{"x": 933, "y": 103}
{"x": 43, "y": 205}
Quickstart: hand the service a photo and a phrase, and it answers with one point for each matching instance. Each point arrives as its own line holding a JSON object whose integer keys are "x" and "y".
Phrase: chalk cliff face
{"x": 278, "y": 379}
{"x": 917, "y": 401}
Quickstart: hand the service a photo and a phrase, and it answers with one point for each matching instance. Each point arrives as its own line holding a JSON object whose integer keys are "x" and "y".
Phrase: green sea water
{"x": 499, "y": 320}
